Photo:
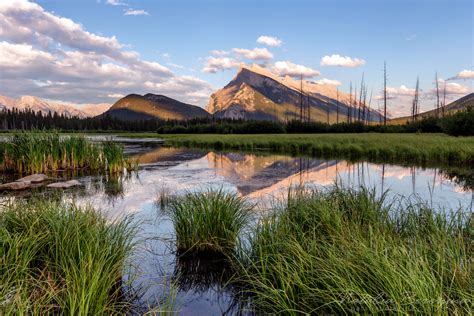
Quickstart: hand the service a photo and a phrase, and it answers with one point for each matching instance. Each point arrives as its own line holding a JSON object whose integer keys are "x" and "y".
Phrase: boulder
{"x": 64, "y": 185}
{"x": 34, "y": 178}
{"x": 17, "y": 185}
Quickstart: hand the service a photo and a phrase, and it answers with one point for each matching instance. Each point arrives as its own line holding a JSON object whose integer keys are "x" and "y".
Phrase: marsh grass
{"x": 41, "y": 152}
{"x": 56, "y": 258}
{"x": 423, "y": 149}
{"x": 349, "y": 252}
{"x": 209, "y": 221}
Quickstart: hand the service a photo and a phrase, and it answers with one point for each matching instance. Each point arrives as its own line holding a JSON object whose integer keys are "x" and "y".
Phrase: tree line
{"x": 458, "y": 124}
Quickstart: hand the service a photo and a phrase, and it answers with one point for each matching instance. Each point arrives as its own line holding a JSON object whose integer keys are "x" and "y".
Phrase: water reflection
{"x": 202, "y": 280}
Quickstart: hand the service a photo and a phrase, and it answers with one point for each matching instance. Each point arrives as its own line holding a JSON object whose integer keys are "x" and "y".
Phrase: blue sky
{"x": 416, "y": 38}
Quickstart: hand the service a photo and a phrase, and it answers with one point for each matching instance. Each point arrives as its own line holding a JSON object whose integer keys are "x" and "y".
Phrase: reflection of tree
{"x": 464, "y": 177}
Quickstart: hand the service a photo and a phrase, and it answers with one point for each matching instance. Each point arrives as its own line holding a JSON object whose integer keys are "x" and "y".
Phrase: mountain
{"x": 38, "y": 104}
{"x": 153, "y": 106}
{"x": 256, "y": 93}
{"x": 460, "y": 104}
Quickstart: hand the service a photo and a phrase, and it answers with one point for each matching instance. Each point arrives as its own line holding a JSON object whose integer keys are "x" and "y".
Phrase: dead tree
{"x": 350, "y": 104}
{"x": 337, "y": 105}
{"x": 301, "y": 98}
{"x": 437, "y": 95}
{"x": 444, "y": 99}
{"x": 414, "y": 111}
{"x": 384, "y": 93}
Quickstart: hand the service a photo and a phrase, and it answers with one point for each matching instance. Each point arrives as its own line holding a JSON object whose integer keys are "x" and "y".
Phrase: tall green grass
{"x": 351, "y": 252}
{"x": 420, "y": 149}
{"x": 56, "y": 258}
{"x": 209, "y": 221}
{"x": 41, "y": 152}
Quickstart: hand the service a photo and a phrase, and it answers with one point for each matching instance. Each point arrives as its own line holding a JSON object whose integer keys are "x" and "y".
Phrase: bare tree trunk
{"x": 444, "y": 99}
{"x": 384, "y": 93}
{"x": 437, "y": 95}
{"x": 337, "y": 107}
{"x": 350, "y": 105}
{"x": 301, "y": 98}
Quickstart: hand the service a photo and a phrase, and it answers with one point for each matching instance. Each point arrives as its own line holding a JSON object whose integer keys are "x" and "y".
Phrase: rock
{"x": 17, "y": 185}
{"x": 64, "y": 185}
{"x": 34, "y": 178}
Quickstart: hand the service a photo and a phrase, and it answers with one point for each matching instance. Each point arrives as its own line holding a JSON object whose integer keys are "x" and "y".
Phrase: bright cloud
{"x": 135, "y": 12}
{"x": 116, "y": 2}
{"x": 269, "y": 41}
{"x": 287, "y": 68}
{"x": 215, "y": 64}
{"x": 254, "y": 54}
{"x": 464, "y": 74}
{"x": 401, "y": 91}
{"x": 343, "y": 61}
{"x": 79, "y": 66}
{"x": 330, "y": 82}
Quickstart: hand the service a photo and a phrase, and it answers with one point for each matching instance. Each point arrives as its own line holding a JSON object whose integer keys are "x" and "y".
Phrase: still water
{"x": 259, "y": 177}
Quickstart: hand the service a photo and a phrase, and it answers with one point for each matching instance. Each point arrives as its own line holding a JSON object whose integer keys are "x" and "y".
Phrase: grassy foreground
{"x": 56, "y": 258}
{"x": 405, "y": 148}
{"x": 343, "y": 251}
{"x": 40, "y": 152}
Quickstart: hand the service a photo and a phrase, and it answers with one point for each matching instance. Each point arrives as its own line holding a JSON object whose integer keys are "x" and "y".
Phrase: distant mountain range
{"x": 256, "y": 93}
{"x": 37, "y": 104}
{"x": 149, "y": 106}
{"x": 459, "y": 105}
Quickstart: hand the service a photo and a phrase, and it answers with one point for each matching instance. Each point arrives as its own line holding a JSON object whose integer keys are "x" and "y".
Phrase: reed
{"x": 42, "y": 152}
{"x": 57, "y": 258}
{"x": 208, "y": 221}
{"x": 352, "y": 252}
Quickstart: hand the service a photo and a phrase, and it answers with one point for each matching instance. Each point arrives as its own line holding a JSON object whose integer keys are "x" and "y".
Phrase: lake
{"x": 261, "y": 177}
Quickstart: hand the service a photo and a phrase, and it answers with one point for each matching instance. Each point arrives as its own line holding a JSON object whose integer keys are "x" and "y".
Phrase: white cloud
{"x": 215, "y": 64}
{"x": 76, "y": 65}
{"x": 217, "y": 52}
{"x": 452, "y": 88}
{"x": 330, "y": 82}
{"x": 254, "y": 54}
{"x": 116, "y": 3}
{"x": 115, "y": 95}
{"x": 284, "y": 68}
{"x": 343, "y": 61}
{"x": 135, "y": 12}
{"x": 269, "y": 41}
{"x": 463, "y": 75}
{"x": 401, "y": 91}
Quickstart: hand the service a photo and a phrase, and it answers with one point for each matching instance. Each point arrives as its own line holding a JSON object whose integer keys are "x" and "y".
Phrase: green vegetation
{"x": 56, "y": 258}
{"x": 40, "y": 152}
{"x": 351, "y": 252}
{"x": 421, "y": 149}
{"x": 209, "y": 221}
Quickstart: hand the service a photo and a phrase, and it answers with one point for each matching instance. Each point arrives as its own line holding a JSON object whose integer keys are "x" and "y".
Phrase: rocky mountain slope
{"x": 153, "y": 106}
{"x": 256, "y": 93}
{"x": 38, "y": 104}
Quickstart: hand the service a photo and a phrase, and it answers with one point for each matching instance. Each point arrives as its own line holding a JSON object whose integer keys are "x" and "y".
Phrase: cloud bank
{"x": 54, "y": 57}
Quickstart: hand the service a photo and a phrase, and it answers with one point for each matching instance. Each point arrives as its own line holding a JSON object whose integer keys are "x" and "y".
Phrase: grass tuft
{"x": 42, "y": 152}
{"x": 209, "y": 221}
{"x": 349, "y": 252}
{"x": 57, "y": 258}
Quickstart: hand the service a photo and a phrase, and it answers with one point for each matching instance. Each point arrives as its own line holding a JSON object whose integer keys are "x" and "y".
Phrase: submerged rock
{"x": 34, "y": 178}
{"x": 64, "y": 185}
